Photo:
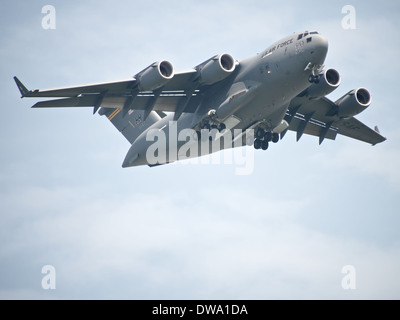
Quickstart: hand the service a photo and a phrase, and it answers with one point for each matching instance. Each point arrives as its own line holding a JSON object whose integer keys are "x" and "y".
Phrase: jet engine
{"x": 353, "y": 103}
{"x": 217, "y": 69}
{"x": 156, "y": 75}
{"x": 329, "y": 80}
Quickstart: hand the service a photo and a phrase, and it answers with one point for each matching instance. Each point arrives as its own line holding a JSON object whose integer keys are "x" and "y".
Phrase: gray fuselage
{"x": 265, "y": 83}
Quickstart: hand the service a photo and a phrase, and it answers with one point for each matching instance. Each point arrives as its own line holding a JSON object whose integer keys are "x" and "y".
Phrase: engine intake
{"x": 156, "y": 75}
{"x": 353, "y": 103}
{"x": 329, "y": 80}
{"x": 217, "y": 69}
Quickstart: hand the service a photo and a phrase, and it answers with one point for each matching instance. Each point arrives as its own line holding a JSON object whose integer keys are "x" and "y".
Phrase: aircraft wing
{"x": 315, "y": 117}
{"x": 121, "y": 86}
{"x": 123, "y": 94}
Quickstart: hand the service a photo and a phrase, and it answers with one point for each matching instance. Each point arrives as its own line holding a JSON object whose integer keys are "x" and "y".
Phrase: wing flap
{"x": 119, "y": 86}
{"x": 300, "y": 124}
{"x": 167, "y": 103}
{"x": 84, "y": 101}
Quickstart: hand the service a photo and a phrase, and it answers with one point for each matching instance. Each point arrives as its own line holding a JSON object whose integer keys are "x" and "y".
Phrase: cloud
{"x": 379, "y": 161}
{"x": 160, "y": 246}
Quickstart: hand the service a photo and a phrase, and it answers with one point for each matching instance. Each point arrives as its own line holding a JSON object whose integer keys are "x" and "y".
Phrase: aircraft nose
{"x": 320, "y": 46}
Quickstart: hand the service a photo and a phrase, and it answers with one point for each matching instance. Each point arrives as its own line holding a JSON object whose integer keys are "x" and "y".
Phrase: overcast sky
{"x": 193, "y": 231}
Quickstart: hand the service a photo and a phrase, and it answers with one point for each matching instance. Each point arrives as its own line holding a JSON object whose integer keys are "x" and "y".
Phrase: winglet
{"x": 24, "y": 91}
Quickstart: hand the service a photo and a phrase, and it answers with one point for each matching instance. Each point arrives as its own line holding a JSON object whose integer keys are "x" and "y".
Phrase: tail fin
{"x": 21, "y": 87}
{"x": 132, "y": 124}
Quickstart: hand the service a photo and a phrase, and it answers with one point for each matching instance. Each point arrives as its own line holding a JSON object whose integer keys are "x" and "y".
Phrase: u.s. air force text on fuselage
{"x": 280, "y": 45}
{"x": 262, "y": 97}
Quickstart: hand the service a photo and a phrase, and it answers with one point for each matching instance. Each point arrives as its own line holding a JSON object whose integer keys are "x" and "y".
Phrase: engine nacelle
{"x": 353, "y": 102}
{"x": 217, "y": 69}
{"x": 156, "y": 75}
{"x": 329, "y": 80}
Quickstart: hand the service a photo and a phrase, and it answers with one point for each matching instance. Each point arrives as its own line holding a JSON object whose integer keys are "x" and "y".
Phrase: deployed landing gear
{"x": 264, "y": 145}
{"x": 221, "y": 127}
{"x": 313, "y": 79}
{"x": 211, "y": 122}
{"x": 261, "y": 144}
{"x": 212, "y": 125}
{"x": 260, "y": 133}
{"x": 257, "y": 144}
{"x": 268, "y": 136}
{"x": 275, "y": 137}
{"x": 263, "y": 138}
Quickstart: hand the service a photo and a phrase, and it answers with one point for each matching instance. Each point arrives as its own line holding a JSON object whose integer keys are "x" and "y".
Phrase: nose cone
{"x": 319, "y": 47}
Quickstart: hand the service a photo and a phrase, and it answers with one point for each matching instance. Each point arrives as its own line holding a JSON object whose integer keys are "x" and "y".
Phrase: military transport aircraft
{"x": 282, "y": 88}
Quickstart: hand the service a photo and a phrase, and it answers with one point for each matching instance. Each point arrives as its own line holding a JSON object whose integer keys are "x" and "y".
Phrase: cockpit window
{"x": 309, "y": 39}
{"x": 305, "y": 34}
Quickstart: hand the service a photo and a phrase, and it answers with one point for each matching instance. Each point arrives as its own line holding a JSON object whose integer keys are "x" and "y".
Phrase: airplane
{"x": 260, "y": 98}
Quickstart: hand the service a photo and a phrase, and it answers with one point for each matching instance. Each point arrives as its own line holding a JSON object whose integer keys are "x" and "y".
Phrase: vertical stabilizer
{"x": 21, "y": 87}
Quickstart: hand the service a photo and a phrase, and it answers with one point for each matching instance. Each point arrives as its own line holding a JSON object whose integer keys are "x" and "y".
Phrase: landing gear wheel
{"x": 264, "y": 145}
{"x": 257, "y": 144}
{"x": 314, "y": 79}
{"x": 268, "y": 136}
{"x": 259, "y": 133}
{"x": 275, "y": 137}
{"x": 221, "y": 127}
